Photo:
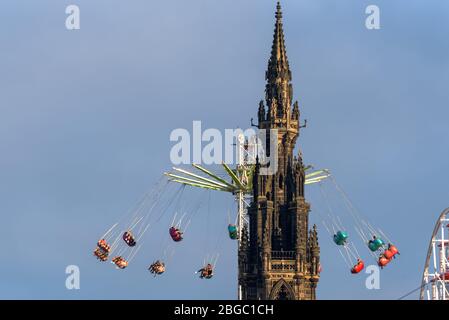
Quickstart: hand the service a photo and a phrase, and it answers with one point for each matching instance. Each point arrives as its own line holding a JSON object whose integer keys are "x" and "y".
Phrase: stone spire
{"x": 281, "y": 257}
{"x": 278, "y": 90}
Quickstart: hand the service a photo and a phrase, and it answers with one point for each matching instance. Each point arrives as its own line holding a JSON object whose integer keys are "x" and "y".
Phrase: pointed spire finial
{"x": 278, "y": 74}
{"x": 278, "y": 12}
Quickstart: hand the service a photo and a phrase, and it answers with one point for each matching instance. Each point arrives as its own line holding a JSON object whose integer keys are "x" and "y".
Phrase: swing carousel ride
{"x": 123, "y": 240}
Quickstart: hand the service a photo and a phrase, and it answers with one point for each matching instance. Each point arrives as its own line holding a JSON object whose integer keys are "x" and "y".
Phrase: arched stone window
{"x": 282, "y": 291}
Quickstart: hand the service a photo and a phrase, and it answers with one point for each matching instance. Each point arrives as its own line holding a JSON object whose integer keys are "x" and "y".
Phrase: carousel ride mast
{"x": 240, "y": 184}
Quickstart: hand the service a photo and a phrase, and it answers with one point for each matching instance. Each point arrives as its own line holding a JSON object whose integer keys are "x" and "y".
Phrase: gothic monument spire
{"x": 280, "y": 256}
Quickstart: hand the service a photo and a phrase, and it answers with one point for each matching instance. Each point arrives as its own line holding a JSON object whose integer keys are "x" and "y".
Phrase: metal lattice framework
{"x": 435, "y": 282}
{"x": 240, "y": 184}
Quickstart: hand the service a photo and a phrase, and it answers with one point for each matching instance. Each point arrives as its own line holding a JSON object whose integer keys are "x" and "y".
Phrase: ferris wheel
{"x": 435, "y": 281}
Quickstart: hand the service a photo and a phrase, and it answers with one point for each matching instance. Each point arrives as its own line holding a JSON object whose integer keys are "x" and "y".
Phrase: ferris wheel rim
{"x": 430, "y": 249}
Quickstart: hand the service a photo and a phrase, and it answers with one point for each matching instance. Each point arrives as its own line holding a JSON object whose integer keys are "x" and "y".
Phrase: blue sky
{"x": 86, "y": 117}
